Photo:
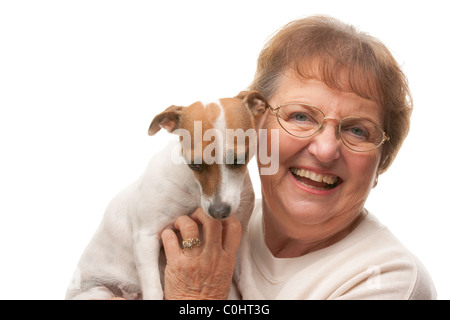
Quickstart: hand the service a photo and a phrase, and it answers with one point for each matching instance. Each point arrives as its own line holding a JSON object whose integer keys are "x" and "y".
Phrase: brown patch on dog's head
{"x": 205, "y": 122}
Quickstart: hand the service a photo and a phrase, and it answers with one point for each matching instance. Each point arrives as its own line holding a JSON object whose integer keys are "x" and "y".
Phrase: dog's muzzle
{"x": 219, "y": 210}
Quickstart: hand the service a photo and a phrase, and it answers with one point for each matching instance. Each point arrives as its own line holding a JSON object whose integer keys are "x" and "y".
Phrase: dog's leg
{"x": 96, "y": 293}
{"x": 147, "y": 248}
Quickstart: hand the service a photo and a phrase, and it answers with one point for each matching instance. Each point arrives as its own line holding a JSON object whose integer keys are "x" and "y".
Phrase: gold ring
{"x": 190, "y": 243}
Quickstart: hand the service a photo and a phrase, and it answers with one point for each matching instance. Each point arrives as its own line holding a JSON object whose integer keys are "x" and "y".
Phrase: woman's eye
{"x": 359, "y": 132}
{"x": 300, "y": 117}
{"x": 236, "y": 164}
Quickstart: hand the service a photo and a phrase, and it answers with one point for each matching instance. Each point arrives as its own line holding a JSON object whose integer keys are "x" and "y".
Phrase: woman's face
{"x": 298, "y": 206}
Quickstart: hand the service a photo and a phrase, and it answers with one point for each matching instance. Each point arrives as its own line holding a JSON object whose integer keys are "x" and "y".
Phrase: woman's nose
{"x": 325, "y": 145}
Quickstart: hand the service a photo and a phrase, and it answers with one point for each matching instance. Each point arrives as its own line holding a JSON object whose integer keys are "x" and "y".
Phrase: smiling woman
{"x": 341, "y": 105}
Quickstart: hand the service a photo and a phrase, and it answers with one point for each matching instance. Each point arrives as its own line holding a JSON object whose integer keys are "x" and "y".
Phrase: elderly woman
{"x": 341, "y": 107}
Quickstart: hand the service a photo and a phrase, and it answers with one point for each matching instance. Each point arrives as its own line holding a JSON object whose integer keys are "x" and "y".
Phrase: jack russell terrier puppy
{"x": 123, "y": 257}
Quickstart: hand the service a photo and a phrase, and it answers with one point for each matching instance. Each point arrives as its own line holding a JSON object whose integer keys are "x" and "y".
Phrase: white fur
{"x": 232, "y": 182}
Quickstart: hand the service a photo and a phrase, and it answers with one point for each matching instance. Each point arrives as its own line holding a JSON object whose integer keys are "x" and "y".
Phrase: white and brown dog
{"x": 206, "y": 167}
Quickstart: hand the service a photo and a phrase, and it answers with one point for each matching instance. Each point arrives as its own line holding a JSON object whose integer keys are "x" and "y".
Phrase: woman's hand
{"x": 205, "y": 271}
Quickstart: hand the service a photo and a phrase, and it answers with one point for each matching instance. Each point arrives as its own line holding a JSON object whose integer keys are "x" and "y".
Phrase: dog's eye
{"x": 237, "y": 163}
{"x": 196, "y": 167}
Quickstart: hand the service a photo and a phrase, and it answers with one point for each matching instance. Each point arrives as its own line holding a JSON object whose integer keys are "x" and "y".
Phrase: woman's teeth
{"x": 318, "y": 177}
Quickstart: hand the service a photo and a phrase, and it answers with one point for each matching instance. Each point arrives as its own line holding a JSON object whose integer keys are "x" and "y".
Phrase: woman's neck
{"x": 303, "y": 239}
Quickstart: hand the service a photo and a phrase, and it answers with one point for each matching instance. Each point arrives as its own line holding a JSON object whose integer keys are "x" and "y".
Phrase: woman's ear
{"x": 375, "y": 183}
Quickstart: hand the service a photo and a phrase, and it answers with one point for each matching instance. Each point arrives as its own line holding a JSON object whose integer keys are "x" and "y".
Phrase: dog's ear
{"x": 254, "y": 101}
{"x": 169, "y": 119}
{"x": 241, "y": 95}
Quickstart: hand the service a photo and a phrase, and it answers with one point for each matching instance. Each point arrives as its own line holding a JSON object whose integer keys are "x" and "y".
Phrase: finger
{"x": 189, "y": 232}
{"x": 232, "y": 232}
{"x": 187, "y": 227}
{"x": 170, "y": 244}
{"x": 212, "y": 229}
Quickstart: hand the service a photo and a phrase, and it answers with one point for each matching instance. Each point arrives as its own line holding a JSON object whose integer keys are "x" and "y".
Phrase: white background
{"x": 80, "y": 82}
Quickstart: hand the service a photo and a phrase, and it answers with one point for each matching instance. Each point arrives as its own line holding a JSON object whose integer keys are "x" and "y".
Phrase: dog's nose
{"x": 219, "y": 210}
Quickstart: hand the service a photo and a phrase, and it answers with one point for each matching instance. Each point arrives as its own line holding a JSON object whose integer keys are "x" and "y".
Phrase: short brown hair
{"x": 326, "y": 49}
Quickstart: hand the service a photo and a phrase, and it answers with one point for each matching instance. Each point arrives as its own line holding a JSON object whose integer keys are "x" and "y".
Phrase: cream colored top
{"x": 369, "y": 263}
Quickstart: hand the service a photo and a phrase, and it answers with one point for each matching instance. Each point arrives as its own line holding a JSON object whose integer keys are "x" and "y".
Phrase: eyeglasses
{"x": 303, "y": 121}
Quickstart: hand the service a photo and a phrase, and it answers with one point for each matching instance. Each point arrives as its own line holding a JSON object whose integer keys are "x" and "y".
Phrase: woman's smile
{"x": 314, "y": 180}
